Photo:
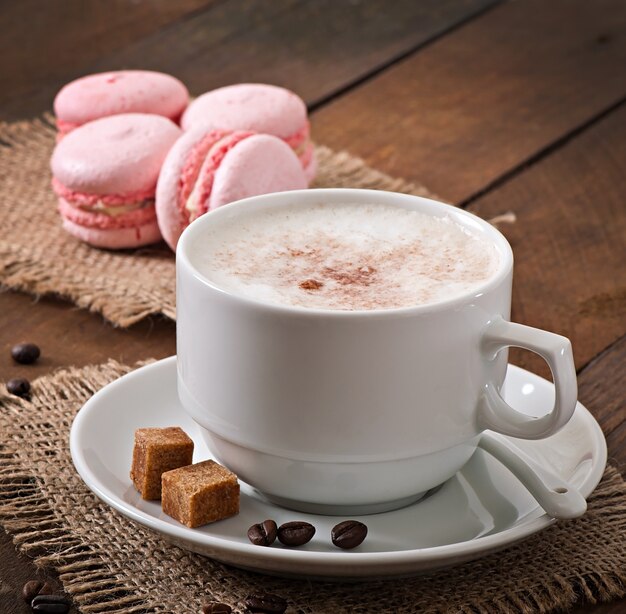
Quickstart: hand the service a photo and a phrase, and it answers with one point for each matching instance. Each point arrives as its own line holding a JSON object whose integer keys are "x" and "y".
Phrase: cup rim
{"x": 349, "y": 196}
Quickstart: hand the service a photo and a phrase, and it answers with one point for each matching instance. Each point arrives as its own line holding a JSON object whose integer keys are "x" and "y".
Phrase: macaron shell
{"x": 118, "y": 238}
{"x": 258, "y": 165}
{"x": 114, "y": 155}
{"x": 171, "y": 219}
{"x": 256, "y": 107}
{"x": 125, "y": 91}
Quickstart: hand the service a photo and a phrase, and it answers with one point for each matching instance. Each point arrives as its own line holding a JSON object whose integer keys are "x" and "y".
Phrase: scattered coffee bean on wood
{"x": 265, "y": 603}
{"x": 348, "y": 534}
{"x": 32, "y": 588}
{"x": 215, "y": 607}
{"x": 263, "y": 533}
{"x": 19, "y": 386}
{"x": 50, "y": 604}
{"x": 25, "y": 353}
{"x": 295, "y": 533}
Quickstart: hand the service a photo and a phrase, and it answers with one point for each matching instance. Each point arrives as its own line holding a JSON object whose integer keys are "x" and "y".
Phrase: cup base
{"x": 335, "y": 488}
{"x": 343, "y": 510}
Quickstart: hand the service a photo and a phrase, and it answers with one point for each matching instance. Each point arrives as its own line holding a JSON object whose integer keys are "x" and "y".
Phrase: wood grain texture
{"x": 477, "y": 103}
{"x": 70, "y": 336}
{"x": 601, "y": 389}
{"x": 316, "y": 47}
{"x": 615, "y": 607}
{"x": 569, "y": 240}
{"x": 616, "y": 441}
{"x": 47, "y": 43}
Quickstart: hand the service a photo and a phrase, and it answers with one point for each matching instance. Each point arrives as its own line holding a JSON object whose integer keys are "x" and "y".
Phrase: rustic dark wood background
{"x": 495, "y": 106}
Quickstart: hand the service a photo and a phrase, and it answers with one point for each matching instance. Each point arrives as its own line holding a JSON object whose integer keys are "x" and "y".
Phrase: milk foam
{"x": 344, "y": 257}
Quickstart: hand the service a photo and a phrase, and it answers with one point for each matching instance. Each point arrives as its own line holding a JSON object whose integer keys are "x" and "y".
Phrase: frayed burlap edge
{"x": 19, "y": 270}
{"x": 30, "y": 518}
{"x": 42, "y": 531}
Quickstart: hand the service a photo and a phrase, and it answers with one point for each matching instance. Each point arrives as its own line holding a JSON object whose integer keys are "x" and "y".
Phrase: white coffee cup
{"x": 350, "y": 412}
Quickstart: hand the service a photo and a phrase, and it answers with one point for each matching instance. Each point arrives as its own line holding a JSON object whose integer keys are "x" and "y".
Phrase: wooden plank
{"x": 615, "y": 607}
{"x": 616, "y": 441}
{"x": 569, "y": 240}
{"x": 601, "y": 390}
{"x": 45, "y": 44}
{"x": 69, "y": 336}
{"x": 316, "y": 47}
{"x": 479, "y": 102}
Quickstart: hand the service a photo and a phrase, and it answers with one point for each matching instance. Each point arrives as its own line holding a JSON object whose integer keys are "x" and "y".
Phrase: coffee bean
{"x": 215, "y": 607}
{"x": 263, "y": 534}
{"x": 265, "y": 603}
{"x": 19, "y": 386}
{"x": 50, "y": 604}
{"x": 25, "y": 353}
{"x": 31, "y": 589}
{"x": 47, "y": 589}
{"x": 295, "y": 533}
{"x": 348, "y": 534}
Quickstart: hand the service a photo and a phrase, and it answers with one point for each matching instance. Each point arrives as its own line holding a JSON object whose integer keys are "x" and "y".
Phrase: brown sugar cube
{"x": 199, "y": 494}
{"x": 156, "y": 451}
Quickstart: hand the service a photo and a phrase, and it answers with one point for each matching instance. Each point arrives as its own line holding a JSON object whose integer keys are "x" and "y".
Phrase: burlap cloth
{"x": 37, "y": 256}
{"x": 111, "y": 565}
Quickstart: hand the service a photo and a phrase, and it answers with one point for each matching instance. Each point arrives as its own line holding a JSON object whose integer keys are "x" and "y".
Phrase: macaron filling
{"x": 118, "y": 210}
{"x": 105, "y": 211}
{"x": 89, "y": 200}
{"x": 299, "y": 140}
{"x": 64, "y": 127}
{"x": 193, "y": 163}
{"x": 301, "y": 144}
{"x": 198, "y": 175}
{"x": 106, "y": 221}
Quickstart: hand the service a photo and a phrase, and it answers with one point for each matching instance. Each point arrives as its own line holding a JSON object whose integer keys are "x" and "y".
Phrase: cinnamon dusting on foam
{"x": 310, "y": 284}
{"x": 345, "y": 257}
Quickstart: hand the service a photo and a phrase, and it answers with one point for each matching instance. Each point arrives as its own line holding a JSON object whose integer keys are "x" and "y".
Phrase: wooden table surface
{"x": 494, "y": 106}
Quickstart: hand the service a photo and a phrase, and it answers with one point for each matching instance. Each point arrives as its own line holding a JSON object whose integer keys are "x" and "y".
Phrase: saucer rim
{"x": 361, "y": 563}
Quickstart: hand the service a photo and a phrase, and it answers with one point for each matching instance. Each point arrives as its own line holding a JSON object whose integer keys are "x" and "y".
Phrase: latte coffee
{"x": 344, "y": 257}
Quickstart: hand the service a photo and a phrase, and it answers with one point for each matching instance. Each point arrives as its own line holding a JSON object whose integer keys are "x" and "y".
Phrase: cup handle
{"x": 496, "y": 414}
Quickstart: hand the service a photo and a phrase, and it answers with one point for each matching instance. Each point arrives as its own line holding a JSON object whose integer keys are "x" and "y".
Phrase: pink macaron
{"x": 113, "y": 93}
{"x": 105, "y": 175}
{"x": 267, "y": 109}
{"x": 209, "y": 168}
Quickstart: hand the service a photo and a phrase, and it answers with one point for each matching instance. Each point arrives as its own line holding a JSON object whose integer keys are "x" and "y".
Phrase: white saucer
{"x": 482, "y": 509}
